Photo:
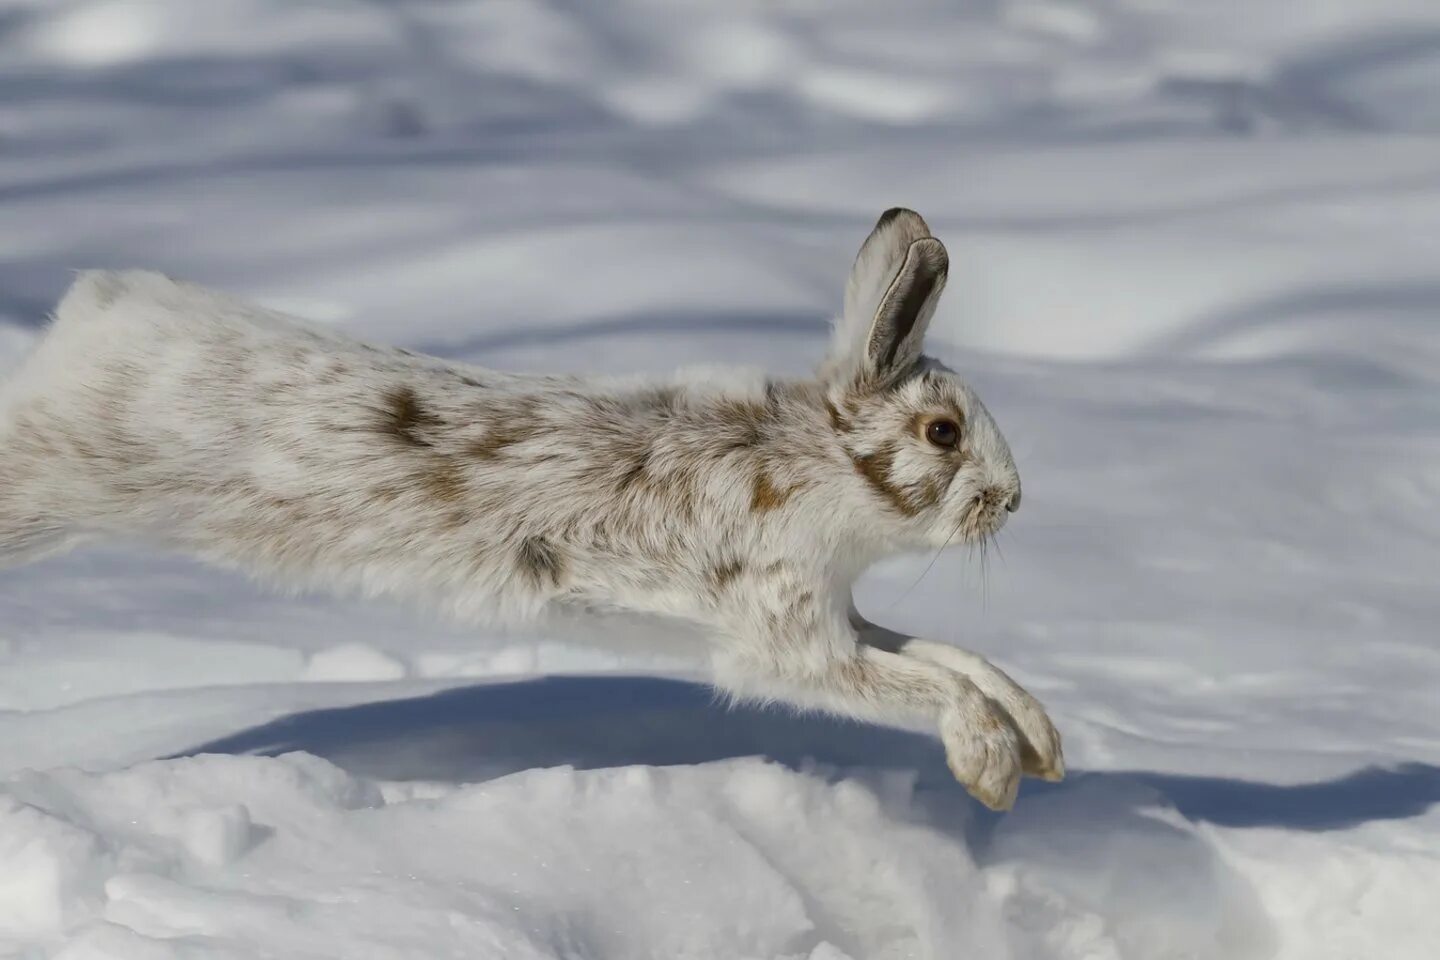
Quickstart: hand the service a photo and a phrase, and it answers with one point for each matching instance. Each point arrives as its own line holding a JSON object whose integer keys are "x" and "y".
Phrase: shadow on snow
{"x": 491, "y": 729}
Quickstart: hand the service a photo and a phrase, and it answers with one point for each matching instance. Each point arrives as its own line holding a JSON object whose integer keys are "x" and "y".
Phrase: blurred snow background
{"x": 1195, "y": 254}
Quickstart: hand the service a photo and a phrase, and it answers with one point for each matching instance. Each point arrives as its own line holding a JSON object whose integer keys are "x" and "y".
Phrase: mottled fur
{"x": 743, "y": 504}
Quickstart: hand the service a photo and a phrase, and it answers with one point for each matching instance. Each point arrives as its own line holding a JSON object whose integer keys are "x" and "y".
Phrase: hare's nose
{"x": 1014, "y": 503}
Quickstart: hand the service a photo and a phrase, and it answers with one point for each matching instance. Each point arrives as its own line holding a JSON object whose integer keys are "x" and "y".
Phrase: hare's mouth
{"x": 984, "y": 514}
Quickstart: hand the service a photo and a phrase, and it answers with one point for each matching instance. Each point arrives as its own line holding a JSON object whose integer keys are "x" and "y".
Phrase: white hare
{"x": 748, "y": 506}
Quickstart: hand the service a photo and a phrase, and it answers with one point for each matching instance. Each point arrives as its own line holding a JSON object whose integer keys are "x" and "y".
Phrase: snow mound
{"x": 225, "y": 856}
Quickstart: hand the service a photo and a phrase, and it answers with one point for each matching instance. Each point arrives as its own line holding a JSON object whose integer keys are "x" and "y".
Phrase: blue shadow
{"x": 488, "y": 730}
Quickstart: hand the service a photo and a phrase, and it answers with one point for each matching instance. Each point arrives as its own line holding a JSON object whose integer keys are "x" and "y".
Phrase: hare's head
{"x": 924, "y": 448}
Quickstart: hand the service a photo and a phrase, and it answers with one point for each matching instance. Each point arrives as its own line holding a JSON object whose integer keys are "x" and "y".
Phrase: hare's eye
{"x": 943, "y": 433}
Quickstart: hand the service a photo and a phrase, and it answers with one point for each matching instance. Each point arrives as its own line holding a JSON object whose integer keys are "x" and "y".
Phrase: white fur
{"x": 743, "y": 505}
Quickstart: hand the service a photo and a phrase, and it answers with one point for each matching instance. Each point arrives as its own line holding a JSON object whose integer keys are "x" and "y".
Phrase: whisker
{"x": 984, "y": 572}
{"x": 930, "y": 566}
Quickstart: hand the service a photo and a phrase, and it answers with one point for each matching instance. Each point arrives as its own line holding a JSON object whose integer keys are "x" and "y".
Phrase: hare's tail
{"x": 30, "y": 526}
{"x": 34, "y": 483}
{"x": 39, "y": 497}
{"x": 27, "y": 538}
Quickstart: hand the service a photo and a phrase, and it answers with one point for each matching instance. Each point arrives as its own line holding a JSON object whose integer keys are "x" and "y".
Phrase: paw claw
{"x": 1047, "y": 766}
{"x": 1043, "y": 755}
{"x": 1053, "y": 773}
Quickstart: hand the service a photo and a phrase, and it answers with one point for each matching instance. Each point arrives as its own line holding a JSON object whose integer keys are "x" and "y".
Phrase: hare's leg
{"x": 1043, "y": 756}
{"x": 824, "y": 667}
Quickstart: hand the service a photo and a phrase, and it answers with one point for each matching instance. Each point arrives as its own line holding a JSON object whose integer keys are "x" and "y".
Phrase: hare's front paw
{"x": 1041, "y": 754}
{"x": 983, "y": 750}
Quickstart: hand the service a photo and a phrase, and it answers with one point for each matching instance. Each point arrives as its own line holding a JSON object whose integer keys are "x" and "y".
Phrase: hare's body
{"x": 742, "y": 504}
{"x": 162, "y": 409}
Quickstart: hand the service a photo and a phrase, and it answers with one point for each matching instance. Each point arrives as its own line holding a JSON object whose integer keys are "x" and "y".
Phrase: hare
{"x": 745, "y": 505}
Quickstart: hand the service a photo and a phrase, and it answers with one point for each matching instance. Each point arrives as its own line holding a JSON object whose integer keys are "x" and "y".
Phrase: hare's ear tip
{"x": 911, "y": 219}
{"x": 933, "y": 252}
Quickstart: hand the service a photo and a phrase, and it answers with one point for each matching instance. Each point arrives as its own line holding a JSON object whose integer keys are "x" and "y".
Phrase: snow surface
{"x": 1194, "y": 249}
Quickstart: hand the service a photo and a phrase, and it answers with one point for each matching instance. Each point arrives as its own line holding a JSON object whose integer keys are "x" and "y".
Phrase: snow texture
{"x": 1193, "y": 253}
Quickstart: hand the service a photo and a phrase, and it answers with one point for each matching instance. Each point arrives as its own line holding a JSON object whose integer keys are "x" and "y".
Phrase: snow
{"x": 1193, "y": 275}
{"x": 290, "y": 856}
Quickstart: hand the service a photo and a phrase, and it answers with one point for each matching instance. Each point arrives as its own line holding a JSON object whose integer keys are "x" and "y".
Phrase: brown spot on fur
{"x": 406, "y": 418}
{"x": 645, "y": 483}
{"x": 386, "y": 493}
{"x": 445, "y": 481}
{"x": 722, "y": 575}
{"x": 796, "y": 613}
{"x": 634, "y": 475}
{"x": 498, "y": 437}
{"x": 634, "y": 456}
{"x": 541, "y": 561}
{"x": 837, "y": 421}
{"x": 765, "y": 496}
{"x": 681, "y": 489}
{"x": 930, "y": 493}
{"x": 745, "y": 419}
{"x": 875, "y": 468}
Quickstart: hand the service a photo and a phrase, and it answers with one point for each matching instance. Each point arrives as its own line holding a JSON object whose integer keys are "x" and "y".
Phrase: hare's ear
{"x": 889, "y": 299}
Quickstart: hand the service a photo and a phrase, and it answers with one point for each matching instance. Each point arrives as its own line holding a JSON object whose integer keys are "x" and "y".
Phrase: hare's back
{"x": 138, "y": 371}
